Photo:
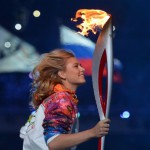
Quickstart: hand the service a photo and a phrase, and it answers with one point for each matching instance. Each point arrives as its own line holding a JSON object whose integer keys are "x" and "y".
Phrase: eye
{"x": 76, "y": 66}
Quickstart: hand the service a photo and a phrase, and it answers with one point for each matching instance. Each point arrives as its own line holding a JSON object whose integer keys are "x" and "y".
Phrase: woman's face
{"x": 74, "y": 72}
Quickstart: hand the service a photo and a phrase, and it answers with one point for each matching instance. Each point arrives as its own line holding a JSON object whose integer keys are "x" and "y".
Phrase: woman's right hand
{"x": 101, "y": 128}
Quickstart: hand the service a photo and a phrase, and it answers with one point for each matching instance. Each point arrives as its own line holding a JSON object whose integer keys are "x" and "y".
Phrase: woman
{"x": 56, "y": 79}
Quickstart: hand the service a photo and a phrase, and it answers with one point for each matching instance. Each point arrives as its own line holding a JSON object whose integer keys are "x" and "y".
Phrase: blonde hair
{"x": 45, "y": 74}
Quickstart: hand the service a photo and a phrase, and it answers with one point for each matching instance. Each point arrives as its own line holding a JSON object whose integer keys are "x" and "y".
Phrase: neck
{"x": 70, "y": 87}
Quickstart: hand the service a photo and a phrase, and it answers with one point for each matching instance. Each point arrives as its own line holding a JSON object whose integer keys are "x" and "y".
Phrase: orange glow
{"x": 93, "y": 20}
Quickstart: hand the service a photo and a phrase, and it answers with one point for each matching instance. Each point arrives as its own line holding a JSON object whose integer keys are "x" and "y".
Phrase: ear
{"x": 62, "y": 75}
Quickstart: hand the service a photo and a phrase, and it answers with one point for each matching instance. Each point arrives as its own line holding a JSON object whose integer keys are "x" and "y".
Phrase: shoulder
{"x": 58, "y": 97}
{"x": 62, "y": 97}
{"x": 59, "y": 102}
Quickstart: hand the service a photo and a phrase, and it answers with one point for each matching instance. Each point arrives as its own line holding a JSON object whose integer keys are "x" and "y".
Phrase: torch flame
{"x": 93, "y": 20}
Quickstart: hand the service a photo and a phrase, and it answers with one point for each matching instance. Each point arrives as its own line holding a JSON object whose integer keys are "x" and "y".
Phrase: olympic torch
{"x": 103, "y": 55}
{"x": 95, "y": 20}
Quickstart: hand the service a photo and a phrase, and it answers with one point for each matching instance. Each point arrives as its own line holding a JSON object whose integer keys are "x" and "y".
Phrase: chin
{"x": 80, "y": 83}
{"x": 84, "y": 81}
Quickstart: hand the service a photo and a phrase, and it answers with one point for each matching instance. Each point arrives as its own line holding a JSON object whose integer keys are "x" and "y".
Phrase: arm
{"x": 65, "y": 141}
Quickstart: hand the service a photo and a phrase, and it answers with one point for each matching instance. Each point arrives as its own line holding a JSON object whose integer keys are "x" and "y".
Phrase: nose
{"x": 82, "y": 68}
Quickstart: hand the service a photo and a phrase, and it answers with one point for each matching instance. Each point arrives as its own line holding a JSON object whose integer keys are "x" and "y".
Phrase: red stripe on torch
{"x": 103, "y": 95}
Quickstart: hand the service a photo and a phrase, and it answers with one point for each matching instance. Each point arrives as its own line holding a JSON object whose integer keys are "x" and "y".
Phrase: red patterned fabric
{"x": 60, "y": 112}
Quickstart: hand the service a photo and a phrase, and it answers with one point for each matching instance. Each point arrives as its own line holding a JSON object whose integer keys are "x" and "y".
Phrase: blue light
{"x": 125, "y": 115}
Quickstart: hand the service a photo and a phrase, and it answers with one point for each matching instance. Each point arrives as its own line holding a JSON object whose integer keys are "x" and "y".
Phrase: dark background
{"x": 131, "y": 47}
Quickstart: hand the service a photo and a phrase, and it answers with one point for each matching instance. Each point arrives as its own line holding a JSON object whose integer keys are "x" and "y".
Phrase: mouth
{"x": 82, "y": 75}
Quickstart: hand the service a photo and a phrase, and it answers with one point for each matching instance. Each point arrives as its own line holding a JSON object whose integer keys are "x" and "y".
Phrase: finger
{"x": 107, "y": 120}
{"x": 105, "y": 126}
{"x": 105, "y": 129}
{"x": 104, "y": 133}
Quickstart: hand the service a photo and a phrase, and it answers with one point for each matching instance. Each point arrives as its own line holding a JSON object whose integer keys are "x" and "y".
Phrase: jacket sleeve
{"x": 59, "y": 116}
